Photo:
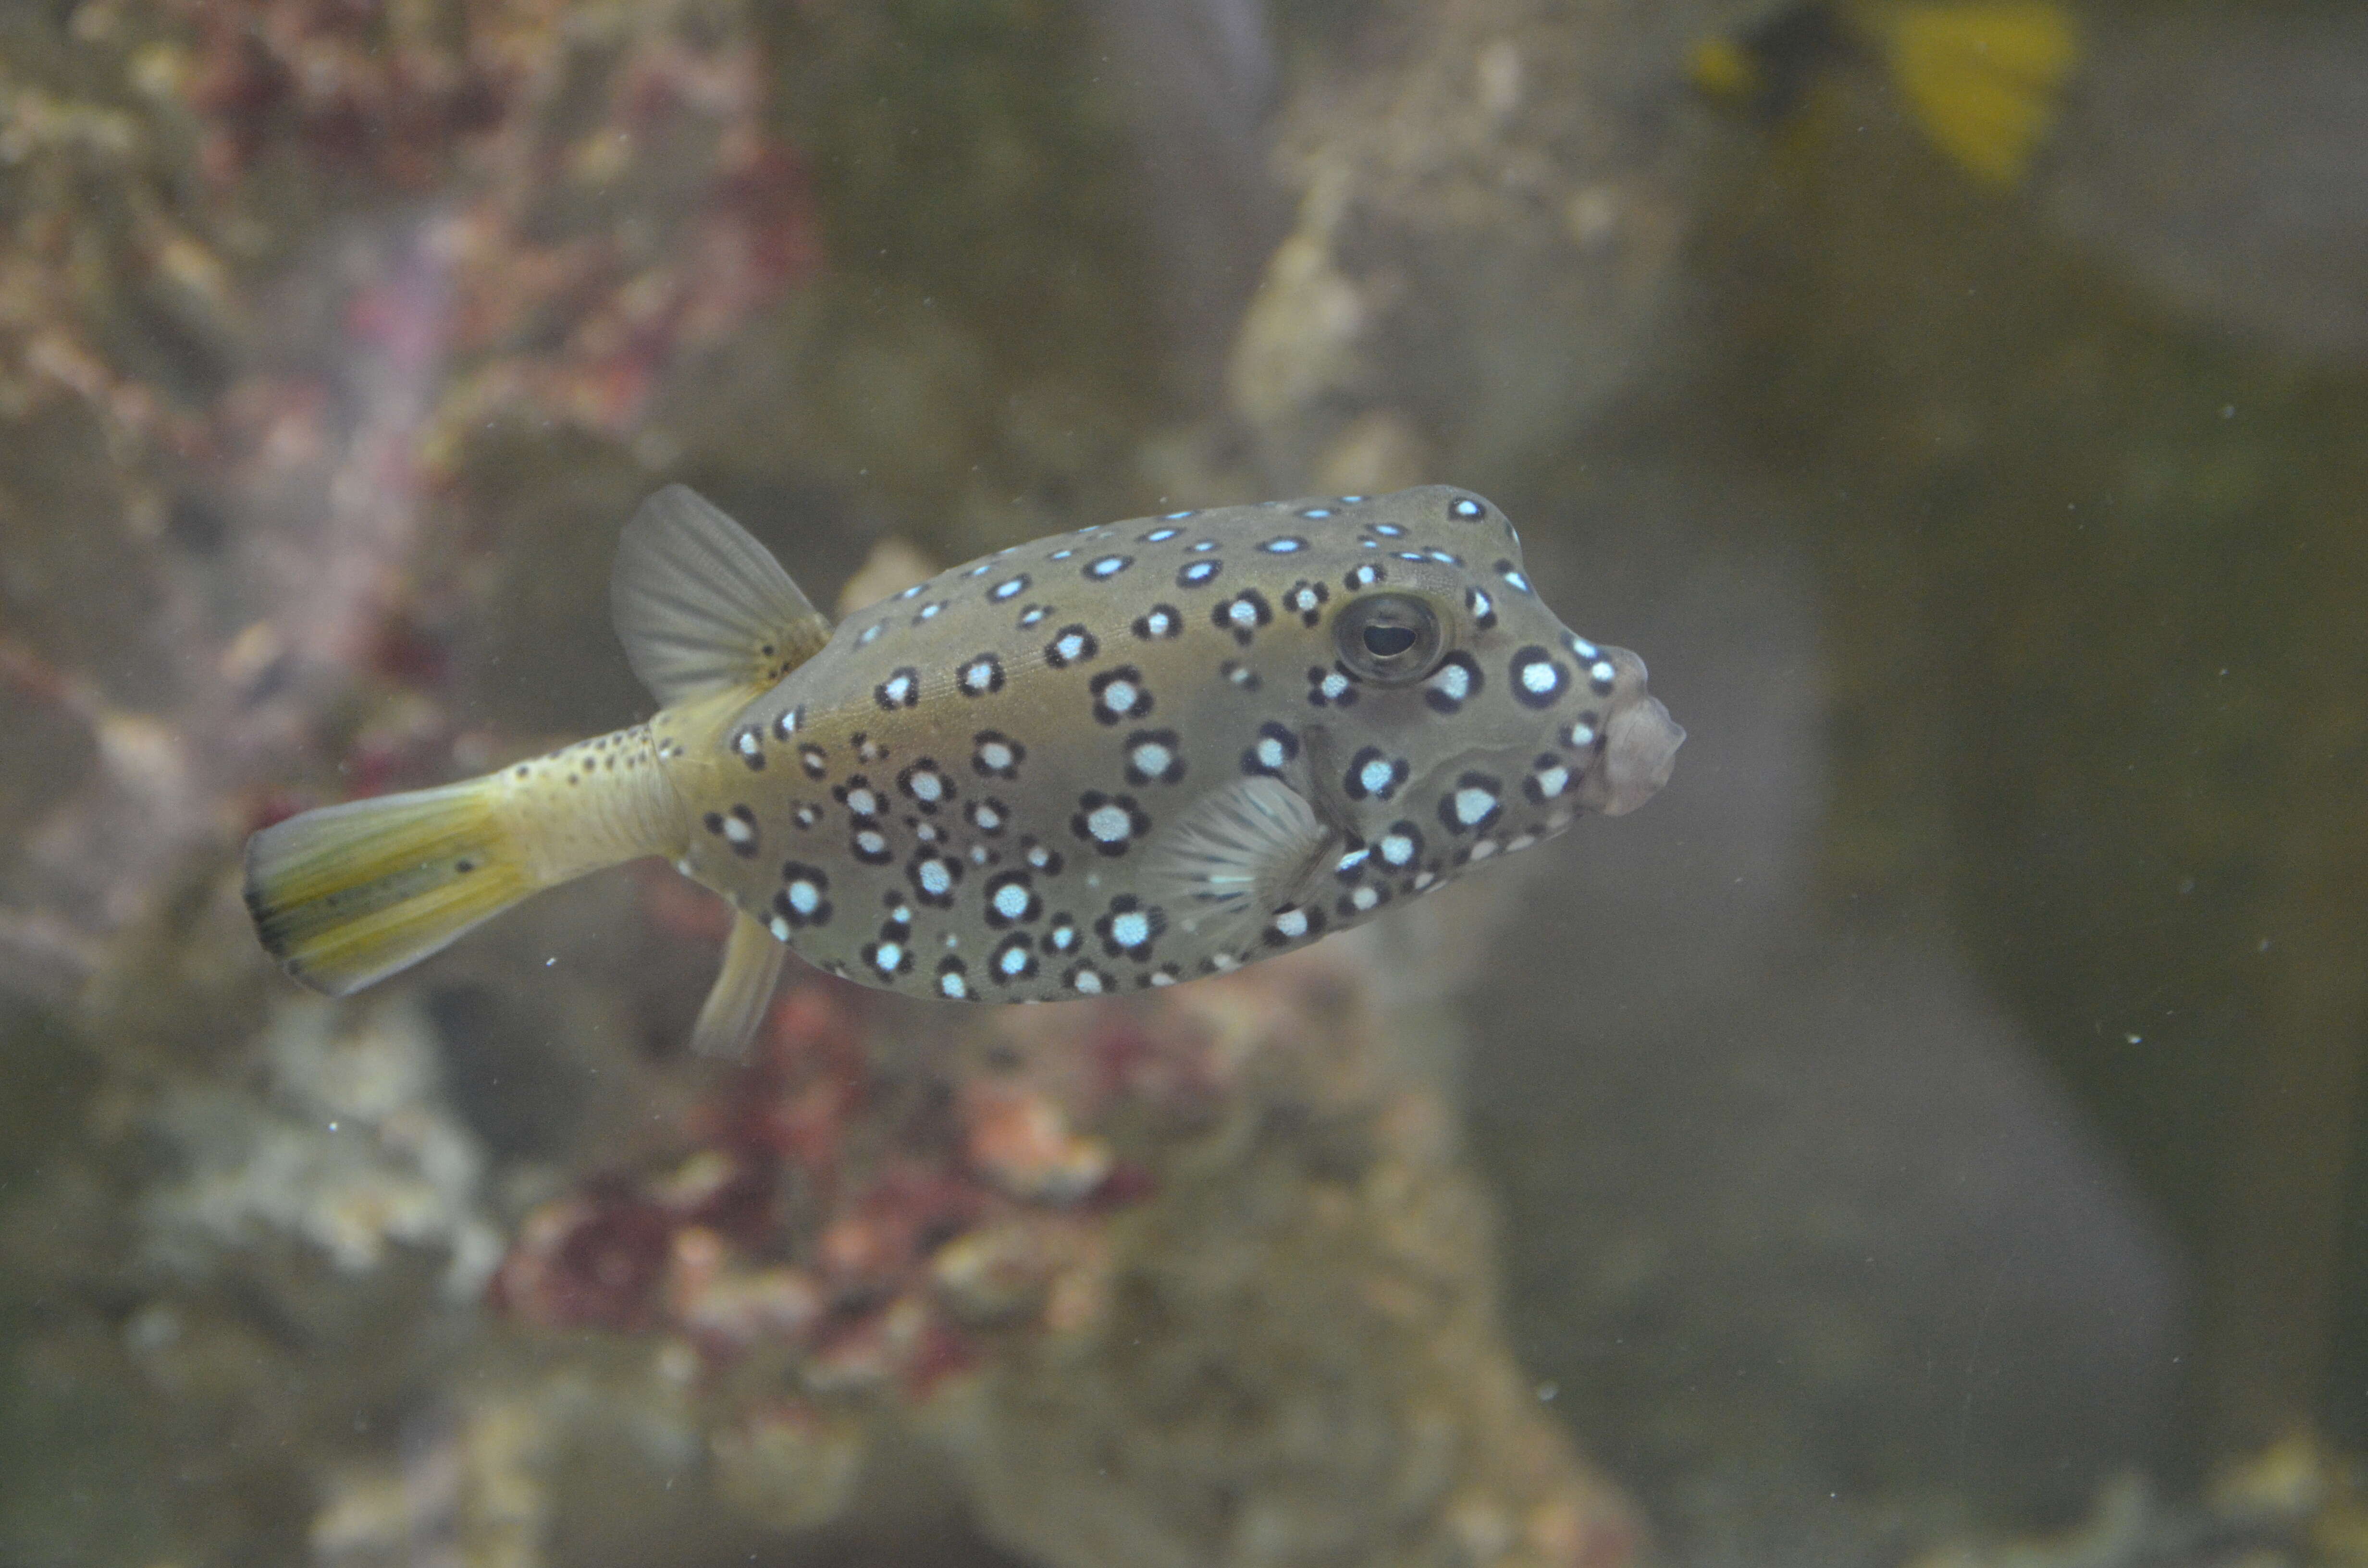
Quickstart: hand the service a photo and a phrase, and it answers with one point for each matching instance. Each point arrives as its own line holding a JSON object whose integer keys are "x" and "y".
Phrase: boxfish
{"x": 1120, "y": 759}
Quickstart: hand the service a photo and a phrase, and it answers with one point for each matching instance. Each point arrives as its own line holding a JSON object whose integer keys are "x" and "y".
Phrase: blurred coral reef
{"x": 324, "y": 330}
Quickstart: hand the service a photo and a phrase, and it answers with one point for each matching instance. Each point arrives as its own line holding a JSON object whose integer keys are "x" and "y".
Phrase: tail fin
{"x": 348, "y": 894}
{"x": 1982, "y": 75}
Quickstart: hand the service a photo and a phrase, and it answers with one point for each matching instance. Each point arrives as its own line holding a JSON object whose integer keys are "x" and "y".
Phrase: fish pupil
{"x": 1388, "y": 641}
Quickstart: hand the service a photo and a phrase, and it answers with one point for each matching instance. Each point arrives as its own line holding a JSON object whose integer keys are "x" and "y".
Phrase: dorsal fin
{"x": 702, "y": 607}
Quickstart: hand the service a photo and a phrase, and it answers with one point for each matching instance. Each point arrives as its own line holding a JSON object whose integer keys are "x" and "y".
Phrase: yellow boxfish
{"x": 1145, "y": 751}
{"x": 1981, "y": 77}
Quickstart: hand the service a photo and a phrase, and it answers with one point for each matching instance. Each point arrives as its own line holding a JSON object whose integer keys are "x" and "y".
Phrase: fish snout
{"x": 1640, "y": 748}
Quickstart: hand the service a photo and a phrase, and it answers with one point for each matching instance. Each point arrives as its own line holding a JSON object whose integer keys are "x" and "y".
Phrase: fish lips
{"x": 1640, "y": 750}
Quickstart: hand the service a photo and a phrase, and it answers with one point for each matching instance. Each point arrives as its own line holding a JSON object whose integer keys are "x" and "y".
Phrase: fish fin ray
{"x": 701, "y": 607}
{"x": 1232, "y": 857}
{"x": 1983, "y": 78}
{"x": 350, "y": 894}
{"x": 743, "y": 988}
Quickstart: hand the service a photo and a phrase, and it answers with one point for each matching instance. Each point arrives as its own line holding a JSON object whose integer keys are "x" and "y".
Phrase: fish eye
{"x": 1388, "y": 638}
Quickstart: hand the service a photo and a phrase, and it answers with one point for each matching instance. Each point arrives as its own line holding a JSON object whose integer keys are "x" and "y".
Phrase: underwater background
{"x": 1932, "y": 1132}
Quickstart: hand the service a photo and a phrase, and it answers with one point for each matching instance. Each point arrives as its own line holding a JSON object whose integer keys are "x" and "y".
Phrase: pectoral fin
{"x": 1235, "y": 856}
{"x": 702, "y": 607}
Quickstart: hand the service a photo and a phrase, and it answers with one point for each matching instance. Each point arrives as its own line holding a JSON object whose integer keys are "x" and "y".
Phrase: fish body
{"x": 1982, "y": 78}
{"x": 1119, "y": 758}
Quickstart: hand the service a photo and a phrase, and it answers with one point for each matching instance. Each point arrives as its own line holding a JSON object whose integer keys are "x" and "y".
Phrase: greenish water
{"x": 1945, "y": 1097}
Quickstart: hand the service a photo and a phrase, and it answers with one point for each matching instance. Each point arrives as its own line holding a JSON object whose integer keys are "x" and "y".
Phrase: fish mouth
{"x": 1640, "y": 748}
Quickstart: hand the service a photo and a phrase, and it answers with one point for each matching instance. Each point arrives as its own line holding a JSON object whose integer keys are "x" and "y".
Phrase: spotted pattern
{"x": 981, "y": 676}
{"x": 934, "y": 878}
{"x": 1010, "y": 900}
{"x": 1014, "y": 958}
{"x": 803, "y": 897}
{"x": 1119, "y": 694}
{"x": 1243, "y": 615}
{"x": 1275, "y": 748}
{"x": 1539, "y": 679}
{"x": 1475, "y": 802}
{"x": 1374, "y": 775}
{"x": 925, "y": 784}
{"x": 1306, "y": 600}
{"x": 1071, "y": 645}
{"x": 1549, "y": 779}
{"x": 1335, "y": 687}
{"x": 994, "y": 755}
{"x": 1111, "y": 824}
{"x": 1154, "y": 757}
{"x": 1130, "y": 929}
{"x": 1456, "y": 682}
{"x": 861, "y": 801}
{"x": 1012, "y": 857}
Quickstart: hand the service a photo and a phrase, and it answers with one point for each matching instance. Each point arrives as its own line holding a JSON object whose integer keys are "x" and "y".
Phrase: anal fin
{"x": 1232, "y": 859}
{"x": 752, "y": 967}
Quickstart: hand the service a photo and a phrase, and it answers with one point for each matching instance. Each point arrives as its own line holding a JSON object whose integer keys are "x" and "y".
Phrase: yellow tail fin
{"x": 348, "y": 894}
{"x": 1981, "y": 76}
